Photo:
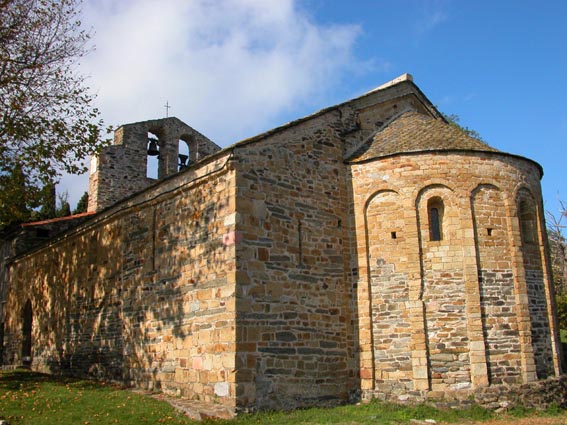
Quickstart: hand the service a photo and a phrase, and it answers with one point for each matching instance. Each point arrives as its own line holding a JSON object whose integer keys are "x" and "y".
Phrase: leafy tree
{"x": 558, "y": 253}
{"x": 48, "y": 203}
{"x": 82, "y": 205}
{"x": 558, "y": 248}
{"x": 48, "y": 124}
{"x": 13, "y": 203}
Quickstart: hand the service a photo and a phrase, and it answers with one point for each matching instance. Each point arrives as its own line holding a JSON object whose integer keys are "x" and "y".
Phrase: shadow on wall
{"x": 120, "y": 302}
{"x": 533, "y": 265}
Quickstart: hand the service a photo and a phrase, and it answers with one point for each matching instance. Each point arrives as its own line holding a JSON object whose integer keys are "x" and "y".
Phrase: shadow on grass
{"x": 23, "y": 379}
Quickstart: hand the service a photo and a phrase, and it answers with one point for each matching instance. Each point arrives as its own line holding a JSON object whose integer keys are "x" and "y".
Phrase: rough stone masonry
{"x": 368, "y": 250}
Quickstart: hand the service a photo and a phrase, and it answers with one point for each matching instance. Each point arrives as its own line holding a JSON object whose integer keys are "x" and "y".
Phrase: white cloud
{"x": 228, "y": 68}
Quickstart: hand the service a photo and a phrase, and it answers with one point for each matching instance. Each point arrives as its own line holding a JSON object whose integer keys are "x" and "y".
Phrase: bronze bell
{"x": 183, "y": 161}
{"x": 153, "y": 148}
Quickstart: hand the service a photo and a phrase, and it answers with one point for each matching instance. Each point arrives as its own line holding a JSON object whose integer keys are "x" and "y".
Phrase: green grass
{"x": 371, "y": 413}
{"x": 33, "y": 398}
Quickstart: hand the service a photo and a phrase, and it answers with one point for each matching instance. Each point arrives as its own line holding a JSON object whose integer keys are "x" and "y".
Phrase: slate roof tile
{"x": 416, "y": 132}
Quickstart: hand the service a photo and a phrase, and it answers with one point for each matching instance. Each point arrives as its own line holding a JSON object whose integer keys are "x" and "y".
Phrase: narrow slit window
{"x": 435, "y": 212}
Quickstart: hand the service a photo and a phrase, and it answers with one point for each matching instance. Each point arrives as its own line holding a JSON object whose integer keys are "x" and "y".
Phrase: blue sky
{"x": 500, "y": 65}
{"x": 234, "y": 68}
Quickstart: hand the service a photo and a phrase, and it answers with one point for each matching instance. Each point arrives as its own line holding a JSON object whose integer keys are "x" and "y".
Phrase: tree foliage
{"x": 48, "y": 124}
{"x": 556, "y": 228}
{"x": 82, "y": 205}
{"x": 63, "y": 208}
{"x": 48, "y": 202}
{"x": 13, "y": 199}
{"x": 455, "y": 121}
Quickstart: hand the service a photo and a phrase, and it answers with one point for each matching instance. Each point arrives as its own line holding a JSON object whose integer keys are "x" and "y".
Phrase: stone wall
{"x": 496, "y": 278}
{"x": 443, "y": 286}
{"x": 294, "y": 331}
{"x": 142, "y": 294}
{"x": 297, "y": 311}
{"x": 541, "y": 394}
{"x": 460, "y": 303}
{"x": 389, "y": 287}
{"x": 276, "y": 274}
{"x": 535, "y": 277}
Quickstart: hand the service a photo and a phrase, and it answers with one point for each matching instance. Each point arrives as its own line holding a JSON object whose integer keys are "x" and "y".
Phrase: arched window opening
{"x": 153, "y": 156}
{"x": 183, "y": 154}
{"x": 527, "y": 222}
{"x": 27, "y": 322}
{"x": 435, "y": 214}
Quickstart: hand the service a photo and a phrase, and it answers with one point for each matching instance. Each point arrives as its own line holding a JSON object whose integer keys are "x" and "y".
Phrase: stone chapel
{"x": 370, "y": 250}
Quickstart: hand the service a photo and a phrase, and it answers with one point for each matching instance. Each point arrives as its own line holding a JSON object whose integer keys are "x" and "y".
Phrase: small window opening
{"x": 152, "y": 169}
{"x": 435, "y": 225}
{"x": 489, "y": 231}
{"x": 393, "y": 235}
{"x": 435, "y": 212}
{"x": 339, "y": 223}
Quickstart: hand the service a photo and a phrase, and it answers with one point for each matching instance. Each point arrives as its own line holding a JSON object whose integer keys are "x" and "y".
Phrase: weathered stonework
{"x": 465, "y": 286}
{"x": 369, "y": 250}
{"x": 120, "y": 170}
{"x": 141, "y": 294}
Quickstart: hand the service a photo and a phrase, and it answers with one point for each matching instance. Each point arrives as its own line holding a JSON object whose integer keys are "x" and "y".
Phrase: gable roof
{"x": 415, "y": 132}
